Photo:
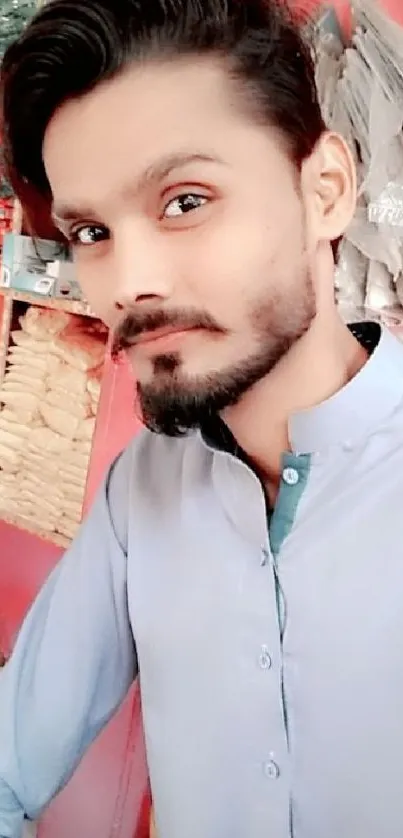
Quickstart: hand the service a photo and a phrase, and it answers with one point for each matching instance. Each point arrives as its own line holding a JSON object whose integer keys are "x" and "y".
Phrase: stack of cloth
{"x": 360, "y": 87}
{"x": 50, "y": 396}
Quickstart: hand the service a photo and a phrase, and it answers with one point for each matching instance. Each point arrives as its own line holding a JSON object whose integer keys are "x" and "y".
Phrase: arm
{"x": 73, "y": 663}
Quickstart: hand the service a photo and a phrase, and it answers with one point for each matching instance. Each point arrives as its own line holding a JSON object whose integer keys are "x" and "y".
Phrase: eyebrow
{"x": 156, "y": 172}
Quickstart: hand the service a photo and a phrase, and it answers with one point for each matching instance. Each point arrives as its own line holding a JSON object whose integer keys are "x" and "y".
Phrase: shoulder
{"x": 155, "y": 463}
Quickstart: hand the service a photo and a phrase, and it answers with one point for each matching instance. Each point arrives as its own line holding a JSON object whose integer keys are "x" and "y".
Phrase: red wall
{"x": 116, "y": 424}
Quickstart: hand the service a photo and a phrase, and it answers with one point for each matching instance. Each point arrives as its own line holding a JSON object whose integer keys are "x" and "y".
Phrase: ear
{"x": 329, "y": 186}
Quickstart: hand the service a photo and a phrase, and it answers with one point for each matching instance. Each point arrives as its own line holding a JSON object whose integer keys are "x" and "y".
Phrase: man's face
{"x": 189, "y": 233}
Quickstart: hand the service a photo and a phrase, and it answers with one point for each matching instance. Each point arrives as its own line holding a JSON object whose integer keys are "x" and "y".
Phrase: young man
{"x": 245, "y": 554}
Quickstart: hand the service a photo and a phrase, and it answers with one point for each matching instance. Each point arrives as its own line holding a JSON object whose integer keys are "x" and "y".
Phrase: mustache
{"x": 135, "y": 324}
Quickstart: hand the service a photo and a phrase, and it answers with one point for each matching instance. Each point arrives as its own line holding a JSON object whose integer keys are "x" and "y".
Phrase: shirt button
{"x": 265, "y": 660}
{"x": 264, "y": 556}
{"x": 271, "y": 770}
{"x": 290, "y": 476}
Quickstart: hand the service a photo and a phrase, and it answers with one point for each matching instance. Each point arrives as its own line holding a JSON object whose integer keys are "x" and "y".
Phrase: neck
{"x": 316, "y": 367}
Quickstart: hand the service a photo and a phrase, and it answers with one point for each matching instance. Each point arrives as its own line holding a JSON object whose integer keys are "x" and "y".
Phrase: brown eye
{"x": 183, "y": 204}
{"x": 88, "y": 235}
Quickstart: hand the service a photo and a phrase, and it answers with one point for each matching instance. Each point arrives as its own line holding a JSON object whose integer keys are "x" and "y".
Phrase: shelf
{"x": 71, "y": 306}
{"x": 45, "y": 535}
{"x": 10, "y": 297}
{"x": 5, "y": 327}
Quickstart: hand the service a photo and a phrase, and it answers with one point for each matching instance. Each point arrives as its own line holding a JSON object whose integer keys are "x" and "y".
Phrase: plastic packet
{"x": 380, "y": 29}
{"x": 381, "y": 289}
{"x": 375, "y": 242}
{"x": 350, "y": 281}
{"x": 354, "y": 90}
{"x": 386, "y": 209}
{"x": 43, "y": 324}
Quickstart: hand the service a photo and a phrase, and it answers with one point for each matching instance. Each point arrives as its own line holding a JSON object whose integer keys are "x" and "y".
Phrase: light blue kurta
{"x": 271, "y": 662}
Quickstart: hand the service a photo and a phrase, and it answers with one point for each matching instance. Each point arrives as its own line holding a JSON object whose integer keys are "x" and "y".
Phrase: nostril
{"x": 140, "y": 299}
{"x": 146, "y": 298}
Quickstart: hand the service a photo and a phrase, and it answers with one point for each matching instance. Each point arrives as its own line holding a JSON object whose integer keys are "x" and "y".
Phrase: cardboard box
{"x": 38, "y": 266}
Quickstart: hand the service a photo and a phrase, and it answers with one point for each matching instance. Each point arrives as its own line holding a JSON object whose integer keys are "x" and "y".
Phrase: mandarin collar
{"x": 360, "y": 407}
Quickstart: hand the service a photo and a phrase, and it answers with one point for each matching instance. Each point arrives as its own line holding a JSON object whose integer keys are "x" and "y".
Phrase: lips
{"x": 159, "y": 334}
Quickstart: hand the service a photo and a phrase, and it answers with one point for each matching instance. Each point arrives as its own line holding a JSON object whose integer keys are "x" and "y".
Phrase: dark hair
{"x": 70, "y": 46}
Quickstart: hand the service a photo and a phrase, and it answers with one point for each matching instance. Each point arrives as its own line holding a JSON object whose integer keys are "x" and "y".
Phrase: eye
{"x": 183, "y": 204}
{"x": 88, "y": 234}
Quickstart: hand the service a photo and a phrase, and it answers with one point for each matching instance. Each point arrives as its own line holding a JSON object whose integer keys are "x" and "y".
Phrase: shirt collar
{"x": 360, "y": 407}
{"x": 348, "y": 416}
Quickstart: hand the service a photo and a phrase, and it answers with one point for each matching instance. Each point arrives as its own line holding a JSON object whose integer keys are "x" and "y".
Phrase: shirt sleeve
{"x": 73, "y": 662}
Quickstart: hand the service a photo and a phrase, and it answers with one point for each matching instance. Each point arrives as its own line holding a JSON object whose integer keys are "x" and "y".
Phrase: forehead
{"x": 95, "y": 145}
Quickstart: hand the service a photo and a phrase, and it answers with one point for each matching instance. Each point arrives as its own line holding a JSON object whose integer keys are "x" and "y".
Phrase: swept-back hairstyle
{"x": 71, "y": 46}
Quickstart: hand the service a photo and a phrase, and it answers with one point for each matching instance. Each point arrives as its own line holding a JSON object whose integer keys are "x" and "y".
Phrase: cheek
{"x": 250, "y": 265}
{"x": 231, "y": 265}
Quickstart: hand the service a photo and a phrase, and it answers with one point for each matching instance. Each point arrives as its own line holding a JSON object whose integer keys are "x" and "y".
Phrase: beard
{"x": 173, "y": 403}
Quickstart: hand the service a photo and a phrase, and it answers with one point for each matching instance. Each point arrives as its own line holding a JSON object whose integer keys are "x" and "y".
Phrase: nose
{"x": 141, "y": 266}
